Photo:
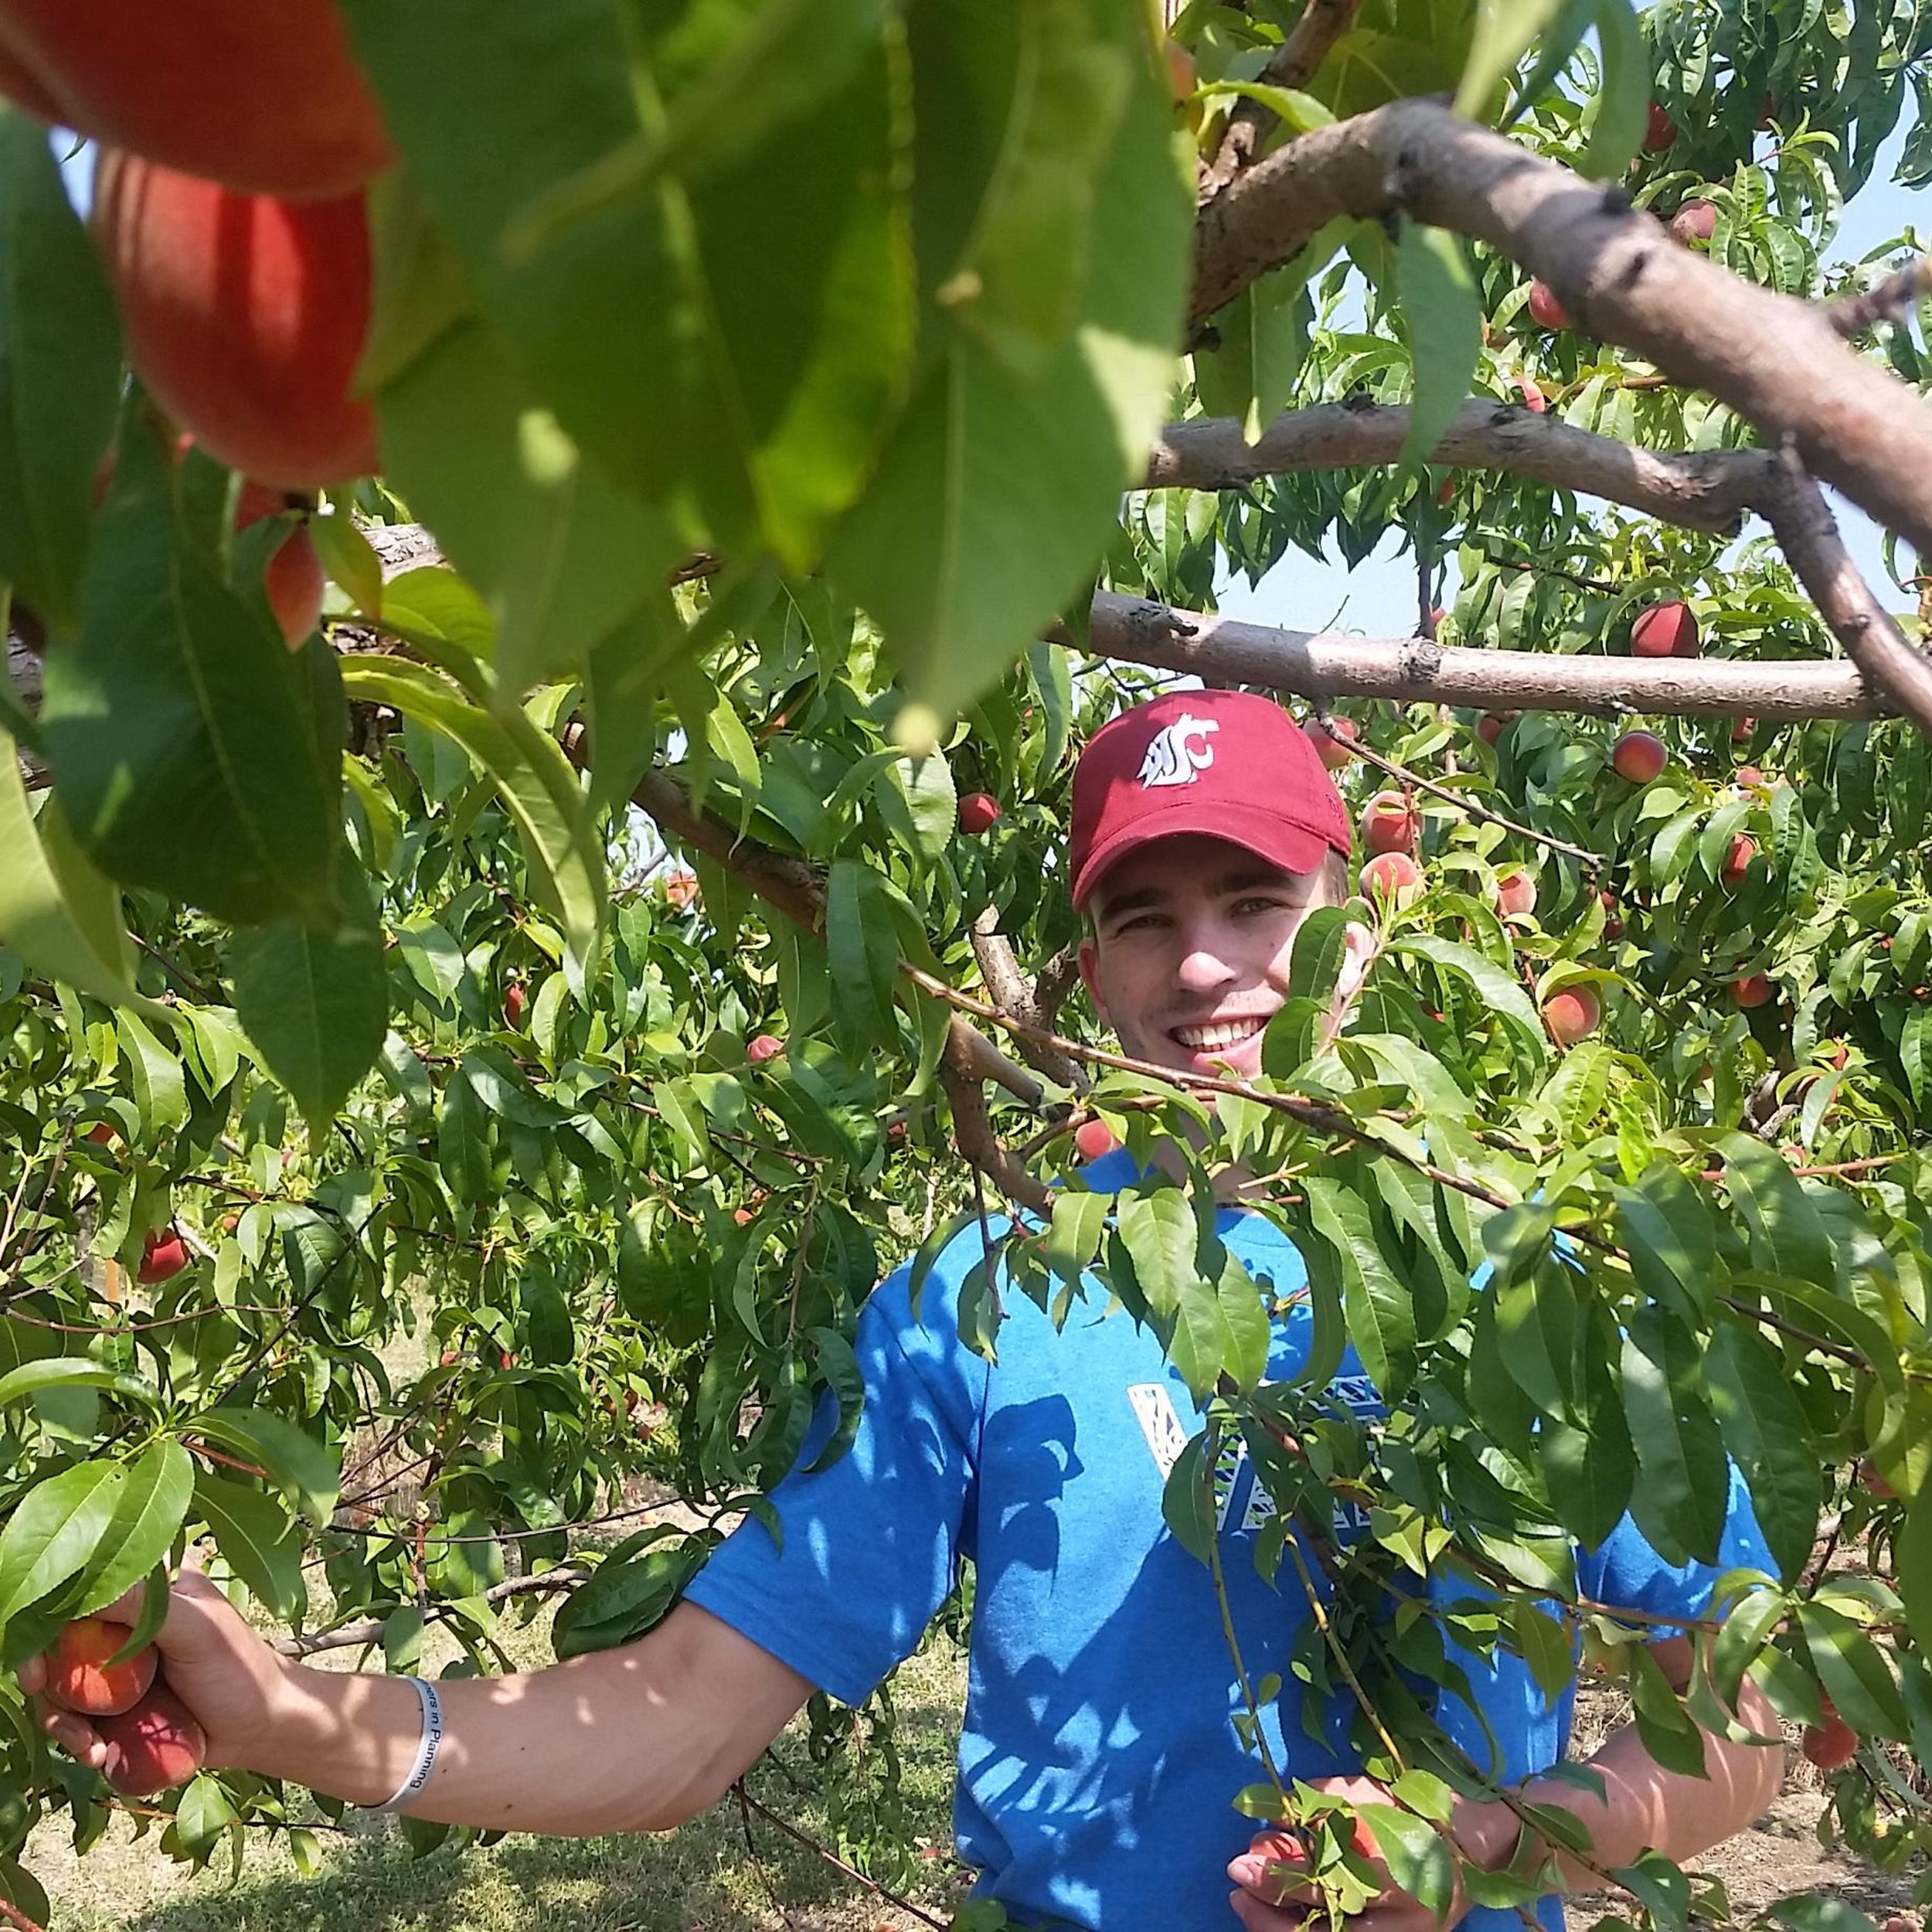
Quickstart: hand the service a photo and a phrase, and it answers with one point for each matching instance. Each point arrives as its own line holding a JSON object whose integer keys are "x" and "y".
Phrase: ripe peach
{"x": 295, "y": 582}
{"x": 516, "y": 1003}
{"x": 1093, "y": 1138}
{"x": 1613, "y": 925}
{"x": 1533, "y": 398}
{"x": 164, "y": 1256}
{"x": 1666, "y": 630}
{"x": 1742, "y": 730}
{"x": 1753, "y": 990}
{"x": 265, "y": 98}
{"x": 1830, "y": 1745}
{"x": 1748, "y": 776}
{"x": 155, "y": 1745}
{"x": 1390, "y": 823}
{"x": 1492, "y": 724}
{"x": 1638, "y": 756}
{"x": 680, "y": 890}
{"x": 978, "y": 812}
{"x": 245, "y": 315}
{"x": 1392, "y": 875}
{"x": 1874, "y": 1480}
{"x": 1659, "y": 130}
{"x": 102, "y": 1134}
{"x": 1516, "y": 893}
{"x": 1545, "y": 311}
{"x": 766, "y": 1046}
{"x": 1183, "y": 76}
{"x": 80, "y": 1677}
{"x": 1446, "y": 494}
{"x": 1332, "y": 743}
{"x": 1571, "y": 1014}
{"x": 1696, "y": 221}
{"x": 1738, "y": 859}
{"x": 742, "y": 1216}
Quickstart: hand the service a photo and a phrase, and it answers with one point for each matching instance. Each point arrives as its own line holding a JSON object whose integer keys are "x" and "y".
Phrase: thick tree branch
{"x": 973, "y": 1135}
{"x": 1321, "y": 24}
{"x": 1013, "y": 993}
{"x": 1408, "y": 670}
{"x": 1707, "y": 490}
{"x": 1778, "y": 362}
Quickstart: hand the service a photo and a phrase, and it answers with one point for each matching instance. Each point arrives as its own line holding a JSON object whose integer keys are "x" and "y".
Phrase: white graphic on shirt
{"x": 1171, "y": 759}
{"x": 1167, "y": 1435}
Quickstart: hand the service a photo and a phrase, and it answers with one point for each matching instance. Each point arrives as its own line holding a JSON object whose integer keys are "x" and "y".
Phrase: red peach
{"x": 1830, "y": 1745}
{"x": 742, "y": 1216}
{"x": 1742, "y": 730}
{"x": 1666, "y": 630}
{"x": 293, "y": 580}
{"x": 1571, "y": 1014}
{"x": 680, "y": 888}
{"x": 163, "y": 1257}
{"x": 978, "y": 811}
{"x": 516, "y": 1003}
{"x": 1492, "y": 724}
{"x": 764, "y": 1046}
{"x": 1332, "y": 742}
{"x": 1696, "y": 221}
{"x": 1390, "y": 823}
{"x": 1638, "y": 756}
{"x": 80, "y": 1677}
{"x": 1392, "y": 875}
{"x": 1738, "y": 859}
{"x": 1093, "y": 1138}
{"x": 1183, "y": 76}
{"x": 1659, "y": 130}
{"x": 1546, "y": 310}
{"x": 1613, "y": 925}
{"x": 1875, "y": 1479}
{"x": 1752, "y": 991}
{"x": 1748, "y": 776}
{"x": 1533, "y": 398}
{"x": 1516, "y": 893}
{"x": 102, "y": 1134}
{"x": 155, "y": 1745}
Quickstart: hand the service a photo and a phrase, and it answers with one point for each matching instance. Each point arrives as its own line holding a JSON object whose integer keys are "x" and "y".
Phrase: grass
{"x": 700, "y": 1876}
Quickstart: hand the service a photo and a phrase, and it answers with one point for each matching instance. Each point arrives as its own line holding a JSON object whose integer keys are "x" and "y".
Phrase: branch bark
{"x": 1778, "y": 362}
{"x": 1704, "y": 490}
{"x": 1321, "y": 24}
{"x": 1406, "y": 670}
{"x": 1013, "y": 993}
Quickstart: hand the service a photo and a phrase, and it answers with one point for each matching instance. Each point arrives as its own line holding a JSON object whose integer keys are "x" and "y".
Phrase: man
{"x": 1097, "y": 1760}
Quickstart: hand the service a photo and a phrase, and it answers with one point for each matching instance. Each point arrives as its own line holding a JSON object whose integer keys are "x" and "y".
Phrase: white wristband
{"x": 426, "y": 1749}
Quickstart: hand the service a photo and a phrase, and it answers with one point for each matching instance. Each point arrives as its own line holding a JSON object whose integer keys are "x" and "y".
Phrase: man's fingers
{"x": 1258, "y": 1917}
{"x": 32, "y": 1676}
{"x": 74, "y": 1735}
{"x": 1271, "y": 1879}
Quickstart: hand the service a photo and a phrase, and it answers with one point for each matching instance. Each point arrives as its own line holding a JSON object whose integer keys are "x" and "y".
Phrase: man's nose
{"x": 1203, "y": 966}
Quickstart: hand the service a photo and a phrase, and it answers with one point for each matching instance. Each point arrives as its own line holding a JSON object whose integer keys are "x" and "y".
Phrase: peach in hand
{"x": 81, "y": 1677}
{"x": 155, "y": 1745}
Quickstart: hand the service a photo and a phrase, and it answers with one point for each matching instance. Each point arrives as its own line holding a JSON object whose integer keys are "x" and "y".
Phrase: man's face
{"x": 1188, "y": 960}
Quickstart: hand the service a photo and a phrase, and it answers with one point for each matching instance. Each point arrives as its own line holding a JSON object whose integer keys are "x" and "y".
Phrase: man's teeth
{"x": 1212, "y": 1039}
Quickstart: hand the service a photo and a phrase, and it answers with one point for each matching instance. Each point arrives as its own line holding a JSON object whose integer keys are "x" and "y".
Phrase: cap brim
{"x": 1292, "y": 848}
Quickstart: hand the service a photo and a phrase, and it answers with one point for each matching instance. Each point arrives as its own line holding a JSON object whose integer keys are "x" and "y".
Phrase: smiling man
{"x": 1100, "y": 1751}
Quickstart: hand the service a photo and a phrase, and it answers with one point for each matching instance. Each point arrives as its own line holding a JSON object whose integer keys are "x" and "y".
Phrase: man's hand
{"x": 1276, "y": 1897}
{"x": 224, "y": 1673}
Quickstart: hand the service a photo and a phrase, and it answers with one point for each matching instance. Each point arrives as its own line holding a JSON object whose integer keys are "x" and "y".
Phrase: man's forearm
{"x": 610, "y": 1743}
{"x": 1644, "y": 1807}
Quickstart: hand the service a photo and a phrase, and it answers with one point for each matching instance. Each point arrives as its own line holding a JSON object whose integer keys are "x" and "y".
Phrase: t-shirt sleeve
{"x": 870, "y": 1543}
{"x": 1626, "y": 1571}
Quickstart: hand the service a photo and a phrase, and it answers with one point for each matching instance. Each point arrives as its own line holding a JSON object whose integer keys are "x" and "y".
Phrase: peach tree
{"x": 557, "y": 564}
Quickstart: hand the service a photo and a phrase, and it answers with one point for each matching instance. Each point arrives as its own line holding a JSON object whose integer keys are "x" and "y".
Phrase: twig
{"x": 1593, "y": 861}
{"x": 1322, "y": 22}
{"x": 353, "y": 1636}
{"x": 832, "y": 1858}
{"x": 1891, "y": 300}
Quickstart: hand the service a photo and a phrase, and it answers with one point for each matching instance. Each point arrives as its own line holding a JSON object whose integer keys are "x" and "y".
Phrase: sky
{"x": 1378, "y": 597}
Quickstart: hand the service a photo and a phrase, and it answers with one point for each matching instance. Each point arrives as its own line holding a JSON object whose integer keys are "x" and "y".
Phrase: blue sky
{"x": 1378, "y": 597}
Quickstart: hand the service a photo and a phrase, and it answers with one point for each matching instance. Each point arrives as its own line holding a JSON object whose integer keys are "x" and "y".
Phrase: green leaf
{"x": 1665, "y": 1225}
{"x": 1418, "y": 1859}
{"x": 53, "y": 1532}
{"x": 1788, "y": 1236}
{"x": 999, "y": 484}
{"x": 194, "y": 753}
{"x": 561, "y": 555}
{"x": 1914, "y": 1556}
{"x": 351, "y": 562}
{"x": 308, "y": 1470}
{"x": 316, "y": 1004}
{"x": 147, "y": 1517}
{"x": 1494, "y": 987}
{"x": 1622, "y": 103}
{"x": 1504, "y": 29}
{"x": 1379, "y": 1310}
{"x": 1080, "y": 1220}
{"x": 1680, "y": 1501}
{"x": 1187, "y": 1500}
{"x": 530, "y": 773}
{"x": 865, "y": 956}
{"x": 1767, "y": 1429}
{"x": 60, "y": 374}
{"x": 1814, "y": 1912}
{"x": 69, "y": 1371}
{"x": 256, "y": 1538}
{"x": 840, "y": 1367}
{"x": 60, "y": 915}
{"x": 1443, "y": 315}
{"x": 1853, "y": 1672}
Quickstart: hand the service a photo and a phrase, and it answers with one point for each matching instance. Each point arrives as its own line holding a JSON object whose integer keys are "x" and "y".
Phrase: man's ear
{"x": 1357, "y": 948}
{"x": 1089, "y": 963}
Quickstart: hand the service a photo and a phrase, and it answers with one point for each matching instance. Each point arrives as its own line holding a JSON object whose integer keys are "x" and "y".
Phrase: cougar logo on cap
{"x": 1171, "y": 759}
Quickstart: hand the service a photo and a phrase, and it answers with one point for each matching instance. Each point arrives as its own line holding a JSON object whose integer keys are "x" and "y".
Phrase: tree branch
{"x": 1321, "y": 23}
{"x": 1705, "y": 490}
{"x": 1780, "y": 363}
{"x": 1408, "y": 670}
{"x": 973, "y": 1135}
{"x": 1012, "y": 993}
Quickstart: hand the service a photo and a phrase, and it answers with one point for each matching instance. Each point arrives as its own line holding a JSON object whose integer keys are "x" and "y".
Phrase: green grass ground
{"x": 700, "y": 1878}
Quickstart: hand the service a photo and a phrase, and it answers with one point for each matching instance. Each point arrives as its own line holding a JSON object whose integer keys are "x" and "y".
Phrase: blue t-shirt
{"x": 1097, "y": 1758}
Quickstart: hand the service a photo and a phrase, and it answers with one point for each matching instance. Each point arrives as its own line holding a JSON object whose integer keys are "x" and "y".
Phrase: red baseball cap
{"x": 1226, "y": 763}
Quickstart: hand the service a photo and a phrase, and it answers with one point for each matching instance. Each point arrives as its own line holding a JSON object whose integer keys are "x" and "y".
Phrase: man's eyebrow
{"x": 1111, "y": 905}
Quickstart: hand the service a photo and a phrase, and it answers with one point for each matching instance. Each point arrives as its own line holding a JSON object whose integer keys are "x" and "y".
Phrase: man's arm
{"x": 638, "y": 1738}
{"x": 1644, "y": 1806}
